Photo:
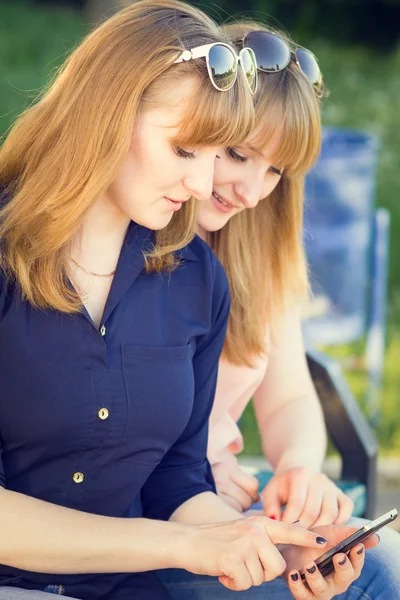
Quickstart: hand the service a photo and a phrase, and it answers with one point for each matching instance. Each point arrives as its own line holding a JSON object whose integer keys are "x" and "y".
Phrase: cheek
{"x": 269, "y": 186}
{"x": 224, "y": 171}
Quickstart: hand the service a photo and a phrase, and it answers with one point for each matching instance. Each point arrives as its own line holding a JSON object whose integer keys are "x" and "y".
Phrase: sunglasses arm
{"x": 202, "y": 52}
{"x": 199, "y": 52}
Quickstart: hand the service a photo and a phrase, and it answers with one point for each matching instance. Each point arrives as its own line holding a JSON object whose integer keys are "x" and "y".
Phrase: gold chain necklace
{"x": 90, "y": 272}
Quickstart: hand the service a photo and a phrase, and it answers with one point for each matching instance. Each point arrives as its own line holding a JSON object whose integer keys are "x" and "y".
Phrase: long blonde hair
{"x": 261, "y": 249}
{"x": 66, "y": 149}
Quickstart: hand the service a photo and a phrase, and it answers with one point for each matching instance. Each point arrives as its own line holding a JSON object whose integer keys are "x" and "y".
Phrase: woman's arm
{"x": 293, "y": 435}
{"x": 205, "y": 508}
{"x": 44, "y": 537}
{"x": 287, "y": 408}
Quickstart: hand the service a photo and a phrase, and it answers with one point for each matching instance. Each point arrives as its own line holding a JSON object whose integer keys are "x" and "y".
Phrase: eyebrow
{"x": 272, "y": 168}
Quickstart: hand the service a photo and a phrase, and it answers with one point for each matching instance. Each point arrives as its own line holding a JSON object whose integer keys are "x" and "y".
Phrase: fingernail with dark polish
{"x": 321, "y": 540}
{"x": 312, "y": 570}
{"x": 294, "y": 577}
{"x": 361, "y": 550}
{"x": 341, "y": 562}
{"x": 294, "y": 522}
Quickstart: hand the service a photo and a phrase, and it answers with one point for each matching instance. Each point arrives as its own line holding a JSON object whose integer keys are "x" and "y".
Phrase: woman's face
{"x": 243, "y": 176}
{"x": 156, "y": 178}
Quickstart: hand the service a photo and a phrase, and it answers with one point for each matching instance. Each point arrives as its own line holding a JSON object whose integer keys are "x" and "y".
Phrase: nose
{"x": 200, "y": 182}
{"x": 248, "y": 192}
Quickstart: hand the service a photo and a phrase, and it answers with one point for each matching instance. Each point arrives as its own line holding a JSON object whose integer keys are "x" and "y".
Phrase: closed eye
{"x": 235, "y": 156}
{"x": 276, "y": 170}
{"x": 183, "y": 153}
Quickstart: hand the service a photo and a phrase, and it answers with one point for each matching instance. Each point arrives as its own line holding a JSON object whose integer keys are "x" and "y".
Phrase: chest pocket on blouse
{"x": 159, "y": 386}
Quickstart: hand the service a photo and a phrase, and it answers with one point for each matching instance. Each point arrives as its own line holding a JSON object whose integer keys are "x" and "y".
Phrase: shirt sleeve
{"x": 184, "y": 471}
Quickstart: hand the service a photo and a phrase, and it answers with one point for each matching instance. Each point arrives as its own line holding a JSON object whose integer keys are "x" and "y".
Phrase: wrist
{"x": 183, "y": 547}
{"x": 299, "y": 459}
{"x": 177, "y": 545}
{"x": 153, "y": 544}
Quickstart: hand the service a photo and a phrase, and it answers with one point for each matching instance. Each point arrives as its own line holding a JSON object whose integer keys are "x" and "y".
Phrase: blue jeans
{"x": 379, "y": 580}
{"x": 14, "y": 593}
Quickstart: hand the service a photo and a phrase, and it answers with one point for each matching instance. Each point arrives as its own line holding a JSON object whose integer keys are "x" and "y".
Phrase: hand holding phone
{"x": 324, "y": 562}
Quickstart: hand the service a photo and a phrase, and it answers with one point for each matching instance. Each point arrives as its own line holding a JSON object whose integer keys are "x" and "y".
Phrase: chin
{"x": 211, "y": 223}
{"x": 156, "y": 223}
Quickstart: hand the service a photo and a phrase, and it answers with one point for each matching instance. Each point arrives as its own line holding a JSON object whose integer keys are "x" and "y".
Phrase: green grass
{"x": 365, "y": 92}
{"x": 33, "y": 43}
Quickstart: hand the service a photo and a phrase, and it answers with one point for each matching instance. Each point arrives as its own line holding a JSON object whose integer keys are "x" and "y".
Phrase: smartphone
{"x": 324, "y": 562}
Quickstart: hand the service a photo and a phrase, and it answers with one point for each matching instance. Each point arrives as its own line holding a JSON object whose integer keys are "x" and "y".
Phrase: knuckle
{"x": 248, "y": 524}
{"x": 272, "y": 573}
{"x": 279, "y": 566}
{"x": 246, "y": 502}
{"x": 233, "y": 558}
{"x": 302, "y": 471}
{"x": 243, "y": 584}
{"x": 296, "y": 504}
{"x": 310, "y": 514}
{"x": 344, "y": 571}
{"x": 322, "y": 478}
{"x": 347, "y": 501}
{"x": 257, "y": 522}
{"x": 320, "y": 586}
{"x": 329, "y": 514}
{"x": 253, "y": 484}
{"x": 258, "y": 579}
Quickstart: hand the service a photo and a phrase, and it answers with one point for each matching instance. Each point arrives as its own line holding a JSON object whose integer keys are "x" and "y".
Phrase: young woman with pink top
{"x": 253, "y": 222}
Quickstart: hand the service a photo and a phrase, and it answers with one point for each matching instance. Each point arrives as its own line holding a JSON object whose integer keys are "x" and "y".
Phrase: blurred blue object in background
{"x": 346, "y": 241}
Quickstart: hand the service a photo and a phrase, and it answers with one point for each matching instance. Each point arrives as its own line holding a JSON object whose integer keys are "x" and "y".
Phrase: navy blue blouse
{"x": 113, "y": 422}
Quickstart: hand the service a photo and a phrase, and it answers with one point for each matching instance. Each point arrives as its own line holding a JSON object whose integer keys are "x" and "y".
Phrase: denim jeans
{"x": 15, "y": 593}
{"x": 379, "y": 580}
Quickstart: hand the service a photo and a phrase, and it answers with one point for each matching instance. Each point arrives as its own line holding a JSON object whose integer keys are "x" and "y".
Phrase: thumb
{"x": 272, "y": 503}
{"x": 286, "y": 533}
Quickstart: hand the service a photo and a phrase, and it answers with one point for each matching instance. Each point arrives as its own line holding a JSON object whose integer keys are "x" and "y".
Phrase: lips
{"x": 222, "y": 204}
{"x": 177, "y": 201}
{"x": 174, "y": 204}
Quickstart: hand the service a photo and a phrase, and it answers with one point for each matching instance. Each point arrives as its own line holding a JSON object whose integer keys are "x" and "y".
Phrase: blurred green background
{"x": 357, "y": 43}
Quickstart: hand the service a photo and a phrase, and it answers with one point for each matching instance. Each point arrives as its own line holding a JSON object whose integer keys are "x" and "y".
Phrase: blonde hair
{"x": 65, "y": 150}
{"x": 262, "y": 249}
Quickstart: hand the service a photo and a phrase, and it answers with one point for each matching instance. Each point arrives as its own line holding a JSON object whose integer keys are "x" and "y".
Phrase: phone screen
{"x": 324, "y": 562}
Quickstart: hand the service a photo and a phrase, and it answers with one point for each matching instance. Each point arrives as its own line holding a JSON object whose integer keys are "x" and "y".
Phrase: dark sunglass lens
{"x": 309, "y": 65}
{"x": 272, "y": 52}
{"x": 223, "y": 66}
{"x": 248, "y": 62}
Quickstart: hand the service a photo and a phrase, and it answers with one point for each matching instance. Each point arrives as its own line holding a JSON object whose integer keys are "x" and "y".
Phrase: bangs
{"x": 217, "y": 118}
{"x": 286, "y": 105}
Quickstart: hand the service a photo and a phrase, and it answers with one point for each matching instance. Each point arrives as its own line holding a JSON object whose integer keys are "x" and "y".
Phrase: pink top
{"x": 235, "y": 387}
{"x": 273, "y": 382}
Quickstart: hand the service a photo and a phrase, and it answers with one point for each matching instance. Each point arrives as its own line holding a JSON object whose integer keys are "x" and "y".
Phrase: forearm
{"x": 295, "y": 435}
{"x": 39, "y": 536}
{"x": 205, "y": 508}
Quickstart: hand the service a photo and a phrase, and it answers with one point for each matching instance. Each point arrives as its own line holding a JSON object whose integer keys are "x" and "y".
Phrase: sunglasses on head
{"x": 274, "y": 54}
{"x": 222, "y": 64}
